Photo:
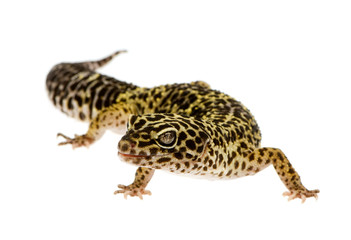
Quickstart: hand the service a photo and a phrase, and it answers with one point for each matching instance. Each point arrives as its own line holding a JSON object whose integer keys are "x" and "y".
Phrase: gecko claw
{"x": 303, "y": 195}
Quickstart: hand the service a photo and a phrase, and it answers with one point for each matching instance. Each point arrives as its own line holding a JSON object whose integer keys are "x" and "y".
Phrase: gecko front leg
{"x": 137, "y": 188}
{"x": 114, "y": 117}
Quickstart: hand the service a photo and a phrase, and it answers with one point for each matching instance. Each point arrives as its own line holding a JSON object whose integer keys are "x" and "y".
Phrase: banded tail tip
{"x": 118, "y": 52}
{"x": 93, "y": 65}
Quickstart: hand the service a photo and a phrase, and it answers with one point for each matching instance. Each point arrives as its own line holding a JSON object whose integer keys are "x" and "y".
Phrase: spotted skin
{"x": 187, "y": 129}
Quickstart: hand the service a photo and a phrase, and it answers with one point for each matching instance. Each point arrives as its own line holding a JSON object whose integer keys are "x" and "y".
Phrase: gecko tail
{"x": 93, "y": 65}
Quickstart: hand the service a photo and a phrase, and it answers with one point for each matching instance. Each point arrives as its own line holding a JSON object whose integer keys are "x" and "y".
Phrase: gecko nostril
{"x": 124, "y": 147}
{"x": 132, "y": 145}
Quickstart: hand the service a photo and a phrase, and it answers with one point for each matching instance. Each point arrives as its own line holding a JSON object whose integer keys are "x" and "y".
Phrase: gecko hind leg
{"x": 262, "y": 157}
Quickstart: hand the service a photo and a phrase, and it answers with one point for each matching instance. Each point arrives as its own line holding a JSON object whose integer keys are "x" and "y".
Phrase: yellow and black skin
{"x": 184, "y": 128}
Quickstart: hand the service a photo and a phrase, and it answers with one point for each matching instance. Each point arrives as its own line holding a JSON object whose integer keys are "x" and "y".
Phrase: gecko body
{"x": 187, "y": 128}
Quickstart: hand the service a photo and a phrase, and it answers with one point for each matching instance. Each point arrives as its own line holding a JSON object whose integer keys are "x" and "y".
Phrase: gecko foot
{"x": 77, "y": 141}
{"x": 303, "y": 195}
{"x": 132, "y": 191}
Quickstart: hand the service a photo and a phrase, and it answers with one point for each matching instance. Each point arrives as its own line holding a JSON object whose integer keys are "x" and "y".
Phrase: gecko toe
{"x": 132, "y": 190}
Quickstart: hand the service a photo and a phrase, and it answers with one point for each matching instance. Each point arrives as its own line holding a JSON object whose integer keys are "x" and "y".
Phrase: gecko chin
{"x": 141, "y": 160}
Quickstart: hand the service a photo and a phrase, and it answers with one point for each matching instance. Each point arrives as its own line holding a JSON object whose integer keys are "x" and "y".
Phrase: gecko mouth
{"x": 130, "y": 158}
{"x": 126, "y": 155}
{"x": 136, "y": 159}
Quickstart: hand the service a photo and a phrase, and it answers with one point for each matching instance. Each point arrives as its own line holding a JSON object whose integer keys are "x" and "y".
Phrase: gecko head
{"x": 163, "y": 141}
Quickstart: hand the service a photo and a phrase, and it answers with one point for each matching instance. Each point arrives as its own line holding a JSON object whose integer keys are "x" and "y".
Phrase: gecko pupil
{"x": 167, "y": 138}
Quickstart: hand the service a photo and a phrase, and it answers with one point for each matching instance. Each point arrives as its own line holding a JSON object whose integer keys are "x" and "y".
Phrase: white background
{"x": 287, "y": 61}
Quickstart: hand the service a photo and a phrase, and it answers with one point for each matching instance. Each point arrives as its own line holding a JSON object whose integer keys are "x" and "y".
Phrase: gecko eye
{"x": 167, "y": 139}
